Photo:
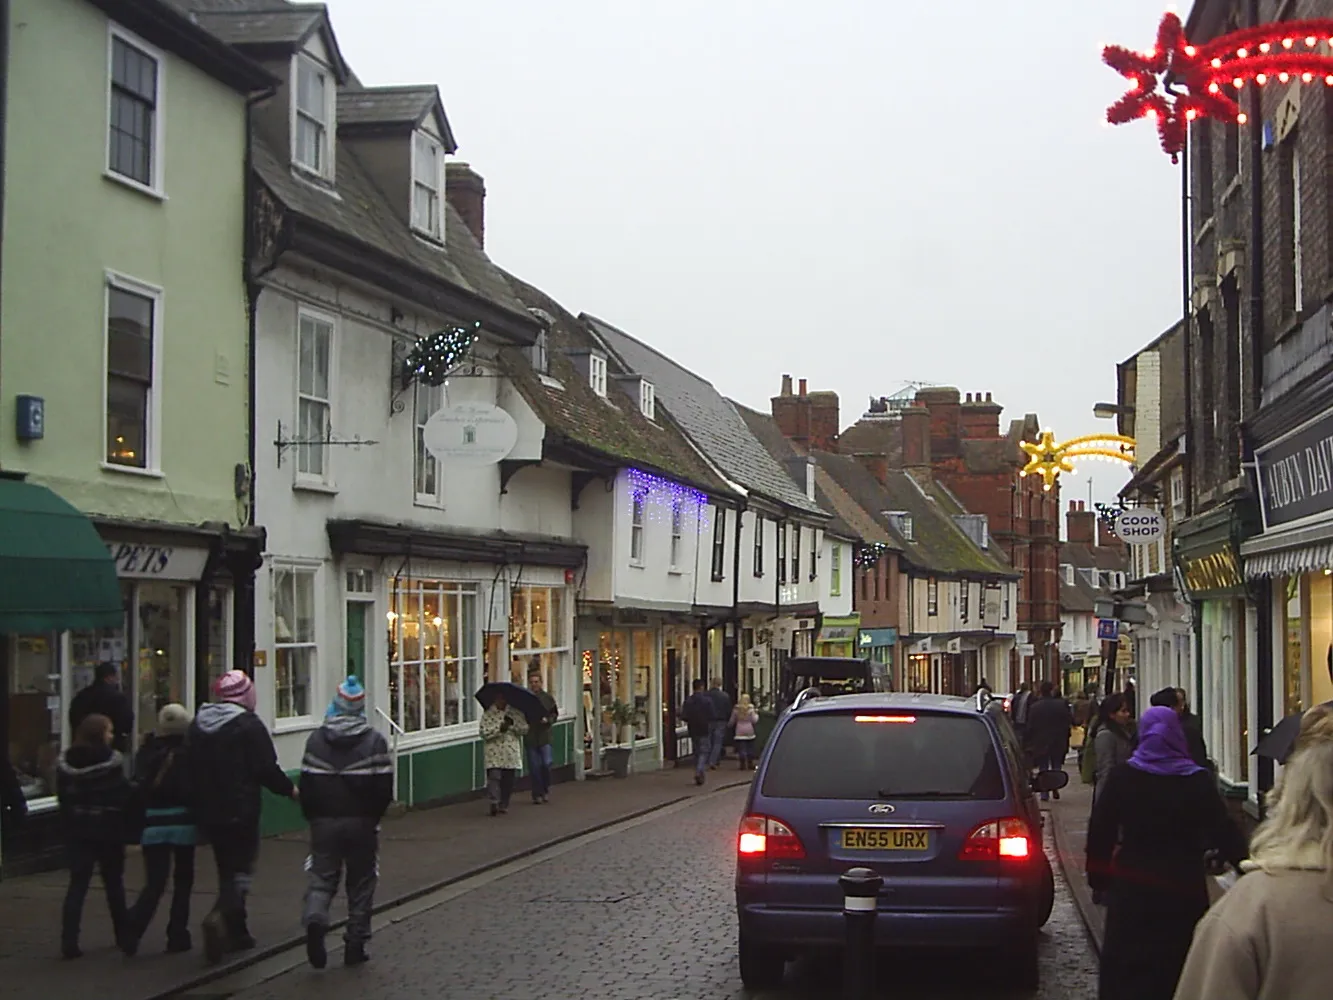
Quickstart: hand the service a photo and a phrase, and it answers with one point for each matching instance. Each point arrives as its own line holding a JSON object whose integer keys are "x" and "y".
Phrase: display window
{"x": 434, "y": 655}
{"x": 538, "y": 639}
{"x": 626, "y": 669}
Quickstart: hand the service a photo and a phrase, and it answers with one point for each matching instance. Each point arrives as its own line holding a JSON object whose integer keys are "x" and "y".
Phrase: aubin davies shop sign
{"x": 1296, "y": 475}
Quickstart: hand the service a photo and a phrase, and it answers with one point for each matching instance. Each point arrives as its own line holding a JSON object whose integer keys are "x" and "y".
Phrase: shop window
{"x": 161, "y": 677}
{"x": 433, "y": 654}
{"x": 294, "y": 640}
{"x": 537, "y": 639}
{"x": 428, "y": 400}
{"x": 835, "y": 571}
{"x": 627, "y": 662}
{"x": 36, "y": 713}
{"x": 1293, "y": 660}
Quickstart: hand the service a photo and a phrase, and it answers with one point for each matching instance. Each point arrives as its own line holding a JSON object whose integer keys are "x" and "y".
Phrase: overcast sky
{"x": 862, "y": 193}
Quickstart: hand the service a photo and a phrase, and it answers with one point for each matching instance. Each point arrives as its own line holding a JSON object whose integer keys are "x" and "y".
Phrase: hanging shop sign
{"x": 471, "y": 434}
{"x": 1296, "y": 474}
{"x": 1215, "y": 571}
{"x": 1140, "y": 526}
{"x": 148, "y": 561}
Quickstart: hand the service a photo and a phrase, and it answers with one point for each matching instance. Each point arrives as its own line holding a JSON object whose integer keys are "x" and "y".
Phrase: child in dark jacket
{"x": 93, "y": 792}
{"x": 162, "y": 784}
{"x": 346, "y": 786}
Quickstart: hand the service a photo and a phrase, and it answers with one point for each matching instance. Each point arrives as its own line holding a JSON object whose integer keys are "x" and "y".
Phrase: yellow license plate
{"x": 880, "y": 839}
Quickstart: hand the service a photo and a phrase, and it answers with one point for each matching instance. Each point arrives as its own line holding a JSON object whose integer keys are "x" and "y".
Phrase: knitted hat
{"x": 173, "y": 720}
{"x": 350, "y": 699}
{"x": 234, "y": 686}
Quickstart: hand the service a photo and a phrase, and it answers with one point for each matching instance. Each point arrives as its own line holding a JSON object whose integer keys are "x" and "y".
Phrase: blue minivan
{"x": 931, "y": 792}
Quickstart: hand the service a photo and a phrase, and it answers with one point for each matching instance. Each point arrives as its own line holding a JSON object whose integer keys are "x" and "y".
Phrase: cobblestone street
{"x": 644, "y": 913}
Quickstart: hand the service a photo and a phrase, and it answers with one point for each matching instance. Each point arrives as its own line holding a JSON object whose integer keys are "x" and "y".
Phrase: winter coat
{"x": 503, "y": 745}
{"x": 721, "y": 704}
{"x": 1110, "y": 748}
{"x": 1194, "y": 737}
{"x": 162, "y": 784}
{"x": 1146, "y": 841}
{"x": 93, "y": 793}
{"x": 346, "y": 770}
{"x": 744, "y": 723}
{"x": 698, "y": 713}
{"x": 231, "y": 757}
{"x": 1047, "y": 732}
{"x": 101, "y": 698}
{"x": 540, "y": 734}
{"x": 1269, "y": 938}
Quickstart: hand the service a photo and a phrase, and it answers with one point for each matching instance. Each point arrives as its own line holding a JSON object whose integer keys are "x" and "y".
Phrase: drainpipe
{"x": 4, "y": 122}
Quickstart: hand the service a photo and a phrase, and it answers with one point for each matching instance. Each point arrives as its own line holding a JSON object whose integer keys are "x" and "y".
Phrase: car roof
{"x": 846, "y": 702}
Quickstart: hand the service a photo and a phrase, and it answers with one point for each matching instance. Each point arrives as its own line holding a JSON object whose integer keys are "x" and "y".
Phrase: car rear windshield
{"x": 832, "y": 755}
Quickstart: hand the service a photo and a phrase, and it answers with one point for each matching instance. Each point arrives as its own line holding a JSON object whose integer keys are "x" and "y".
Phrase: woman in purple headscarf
{"x": 1151, "y": 824}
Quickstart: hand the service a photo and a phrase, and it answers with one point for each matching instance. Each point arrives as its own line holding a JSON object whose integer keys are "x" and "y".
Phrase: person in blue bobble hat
{"x": 346, "y": 787}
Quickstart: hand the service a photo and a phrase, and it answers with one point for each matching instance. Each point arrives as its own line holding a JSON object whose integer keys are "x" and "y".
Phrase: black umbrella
{"x": 1280, "y": 741}
{"x": 519, "y": 697}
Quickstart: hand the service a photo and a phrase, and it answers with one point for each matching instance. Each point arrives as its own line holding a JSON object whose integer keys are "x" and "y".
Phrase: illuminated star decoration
{"x": 1194, "y": 81}
{"x": 1048, "y": 459}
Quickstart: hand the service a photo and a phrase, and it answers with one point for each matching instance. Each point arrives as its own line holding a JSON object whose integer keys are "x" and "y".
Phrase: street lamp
{"x": 1107, "y": 411}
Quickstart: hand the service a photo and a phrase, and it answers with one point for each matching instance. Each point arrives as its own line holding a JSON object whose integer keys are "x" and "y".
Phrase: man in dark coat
{"x": 1193, "y": 727}
{"x": 1047, "y": 734}
{"x": 104, "y": 697}
{"x": 699, "y": 713}
{"x": 346, "y": 786}
{"x": 231, "y": 757}
{"x": 717, "y": 735}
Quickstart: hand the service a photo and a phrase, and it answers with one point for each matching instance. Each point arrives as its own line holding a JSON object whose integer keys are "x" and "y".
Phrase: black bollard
{"x": 860, "y": 903}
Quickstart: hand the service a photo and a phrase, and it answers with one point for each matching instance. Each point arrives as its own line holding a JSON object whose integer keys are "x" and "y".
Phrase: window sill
{"x": 551, "y": 383}
{"x": 296, "y": 724}
{"x": 316, "y": 180}
{"x": 637, "y": 565}
{"x": 133, "y": 470}
{"x": 432, "y": 240}
{"x": 327, "y": 489}
{"x": 156, "y": 193}
{"x": 428, "y": 502}
{"x": 424, "y": 739}
{"x": 675, "y": 572}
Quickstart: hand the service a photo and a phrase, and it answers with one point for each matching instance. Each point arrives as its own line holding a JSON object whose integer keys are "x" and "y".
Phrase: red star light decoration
{"x": 1176, "y": 82}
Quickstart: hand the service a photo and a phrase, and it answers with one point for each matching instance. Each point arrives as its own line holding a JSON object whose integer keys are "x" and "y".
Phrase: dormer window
{"x": 540, "y": 358}
{"x": 903, "y": 522}
{"x": 648, "y": 400}
{"x": 597, "y": 374}
{"x": 427, "y": 186}
{"x": 313, "y": 118}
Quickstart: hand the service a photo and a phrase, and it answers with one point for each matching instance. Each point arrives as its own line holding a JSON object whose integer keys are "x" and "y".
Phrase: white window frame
{"x": 677, "y": 535}
{"x": 932, "y": 598}
{"x": 597, "y": 374}
{"x": 835, "y": 571}
{"x": 153, "y": 431}
{"x": 329, "y": 124}
{"x": 311, "y": 572}
{"x": 648, "y": 400}
{"x": 437, "y": 189}
{"x": 561, "y": 686}
{"x": 964, "y": 600}
{"x": 758, "y": 566}
{"x": 420, "y": 454}
{"x": 156, "y": 187}
{"x": 541, "y": 359}
{"x": 1177, "y": 487}
{"x": 795, "y": 554}
{"x": 638, "y": 503}
{"x": 473, "y": 652}
{"x": 325, "y": 476}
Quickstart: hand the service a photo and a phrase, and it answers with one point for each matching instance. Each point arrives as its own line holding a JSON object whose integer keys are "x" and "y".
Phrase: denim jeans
{"x": 717, "y": 736}
{"x": 157, "y": 862}
{"x": 702, "y": 751}
{"x": 84, "y": 857}
{"x": 539, "y": 769}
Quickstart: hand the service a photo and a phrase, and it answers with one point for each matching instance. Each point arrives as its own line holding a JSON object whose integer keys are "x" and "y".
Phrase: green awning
{"x": 55, "y": 570}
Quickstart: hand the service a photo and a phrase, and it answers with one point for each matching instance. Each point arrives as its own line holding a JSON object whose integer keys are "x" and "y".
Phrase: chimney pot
{"x": 802, "y": 385}
{"x": 786, "y": 385}
{"x": 988, "y": 397}
{"x": 969, "y": 397}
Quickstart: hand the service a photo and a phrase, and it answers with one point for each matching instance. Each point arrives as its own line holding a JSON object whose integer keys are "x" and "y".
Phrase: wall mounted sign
{"x": 1140, "y": 525}
{"x": 1296, "y": 474}
{"x": 1108, "y": 629}
{"x": 146, "y": 561}
{"x": 473, "y": 434}
{"x": 991, "y": 599}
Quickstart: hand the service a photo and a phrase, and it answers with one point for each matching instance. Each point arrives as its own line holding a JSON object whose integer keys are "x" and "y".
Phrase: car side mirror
{"x": 1049, "y": 781}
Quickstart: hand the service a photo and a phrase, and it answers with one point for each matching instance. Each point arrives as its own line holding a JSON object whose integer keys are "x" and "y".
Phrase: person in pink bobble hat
{"x": 232, "y": 757}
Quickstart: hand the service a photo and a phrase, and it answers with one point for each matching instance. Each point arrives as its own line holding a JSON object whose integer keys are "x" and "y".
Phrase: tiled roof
{"x": 362, "y": 213}
{"x": 864, "y": 528}
{"x": 708, "y": 418}
{"x": 1078, "y": 599}
{"x": 613, "y": 426}
{"x": 385, "y": 105}
{"x": 260, "y": 27}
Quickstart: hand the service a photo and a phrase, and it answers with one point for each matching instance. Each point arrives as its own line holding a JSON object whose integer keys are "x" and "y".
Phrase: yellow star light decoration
{"x": 1048, "y": 458}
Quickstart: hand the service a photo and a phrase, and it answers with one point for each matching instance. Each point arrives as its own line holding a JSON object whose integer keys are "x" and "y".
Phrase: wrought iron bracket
{"x": 284, "y": 443}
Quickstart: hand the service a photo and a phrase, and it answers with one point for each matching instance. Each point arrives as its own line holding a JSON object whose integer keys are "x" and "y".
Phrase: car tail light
{"x": 768, "y": 839}
{"x": 998, "y": 840}
{"x": 885, "y": 718}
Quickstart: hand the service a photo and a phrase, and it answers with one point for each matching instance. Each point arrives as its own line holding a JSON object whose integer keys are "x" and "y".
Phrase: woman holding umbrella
{"x": 503, "y": 727}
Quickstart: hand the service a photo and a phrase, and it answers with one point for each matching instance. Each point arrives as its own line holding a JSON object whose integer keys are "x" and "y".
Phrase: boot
{"x": 314, "y": 945}
{"x": 355, "y": 954}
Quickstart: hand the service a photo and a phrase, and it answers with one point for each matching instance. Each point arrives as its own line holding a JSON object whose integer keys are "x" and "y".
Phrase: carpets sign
{"x": 1296, "y": 474}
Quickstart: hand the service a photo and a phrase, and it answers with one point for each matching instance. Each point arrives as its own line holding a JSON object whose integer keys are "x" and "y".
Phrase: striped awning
{"x": 1289, "y": 553}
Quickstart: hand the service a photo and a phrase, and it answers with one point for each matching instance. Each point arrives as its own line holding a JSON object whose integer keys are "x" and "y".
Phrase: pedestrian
{"x": 162, "y": 784}
{"x": 346, "y": 787}
{"x": 1132, "y": 699}
{"x": 1046, "y": 737}
{"x": 743, "y": 719}
{"x": 94, "y": 792}
{"x": 1018, "y": 709}
{"x": 104, "y": 697}
{"x": 1082, "y": 710}
{"x": 231, "y": 757}
{"x": 698, "y": 715}
{"x": 1193, "y": 727}
{"x": 1270, "y": 937}
{"x": 1153, "y": 820}
{"x": 537, "y": 743}
{"x": 717, "y": 735}
{"x": 1112, "y": 744}
{"x": 502, "y": 732}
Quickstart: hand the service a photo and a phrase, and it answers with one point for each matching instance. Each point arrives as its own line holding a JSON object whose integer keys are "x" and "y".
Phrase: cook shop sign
{"x": 1296, "y": 474}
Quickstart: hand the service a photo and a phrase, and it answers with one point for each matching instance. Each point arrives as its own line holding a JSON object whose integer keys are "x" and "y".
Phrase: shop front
{"x": 838, "y": 636}
{"x": 879, "y": 644}
{"x": 624, "y": 697}
{"x": 1208, "y": 555}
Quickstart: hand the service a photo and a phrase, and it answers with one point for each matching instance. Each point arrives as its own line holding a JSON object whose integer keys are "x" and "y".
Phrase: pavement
{"x": 641, "y": 911}
{"x": 419, "y": 852}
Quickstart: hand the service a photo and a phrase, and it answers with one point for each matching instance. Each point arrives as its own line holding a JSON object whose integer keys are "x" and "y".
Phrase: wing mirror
{"x": 1049, "y": 781}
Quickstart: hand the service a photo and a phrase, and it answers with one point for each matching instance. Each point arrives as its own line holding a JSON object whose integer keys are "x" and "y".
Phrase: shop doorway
{"x": 357, "y": 661}
{"x": 163, "y": 637}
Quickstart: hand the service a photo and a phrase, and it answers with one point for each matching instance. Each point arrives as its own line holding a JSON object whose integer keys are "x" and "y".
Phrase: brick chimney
{"x": 809, "y": 419}
{"x": 916, "y": 424}
{"x": 824, "y": 419}
{"x": 945, "y": 406}
{"x": 1108, "y": 538}
{"x": 980, "y": 418}
{"x": 466, "y": 192}
{"x": 876, "y": 465}
{"x": 1080, "y": 524}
